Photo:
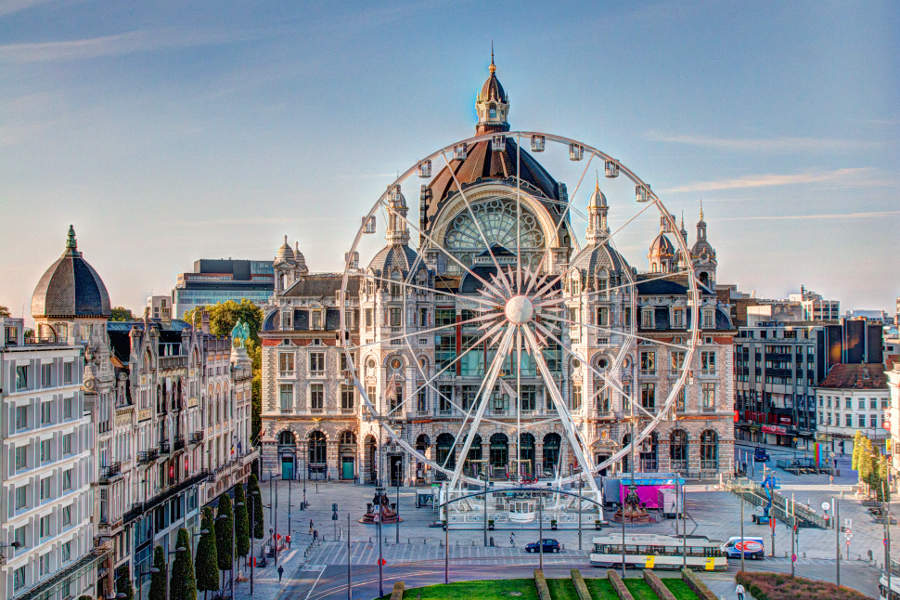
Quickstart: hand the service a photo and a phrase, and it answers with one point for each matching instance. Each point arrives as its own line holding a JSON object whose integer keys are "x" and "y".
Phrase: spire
{"x": 397, "y": 231}
{"x": 701, "y": 225}
{"x": 598, "y": 229}
{"x": 493, "y": 67}
{"x": 701, "y": 209}
{"x": 71, "y": 243}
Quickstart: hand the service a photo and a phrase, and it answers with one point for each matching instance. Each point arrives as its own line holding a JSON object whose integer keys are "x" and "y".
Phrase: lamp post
{"x": 251, "y": 500}
{"x": 141, "y": 575}
{"x": 580, "y": 484}
{"x": 397, "y": 525}
{"x": 541, "y": 530}
{"x": 233, "y": 552}
{"x": 378, "y": 514}
{"x": 349, "y": 575}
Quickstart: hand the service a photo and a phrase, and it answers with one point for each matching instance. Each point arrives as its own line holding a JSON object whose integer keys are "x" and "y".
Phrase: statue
{"x": 240, "y": 333}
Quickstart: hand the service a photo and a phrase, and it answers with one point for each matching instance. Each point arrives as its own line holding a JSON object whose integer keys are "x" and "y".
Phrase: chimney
{"x": 204, "y": 321}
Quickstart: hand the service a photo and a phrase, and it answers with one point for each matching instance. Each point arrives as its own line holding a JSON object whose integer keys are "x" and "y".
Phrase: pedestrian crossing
{"x": 366, "y": 553}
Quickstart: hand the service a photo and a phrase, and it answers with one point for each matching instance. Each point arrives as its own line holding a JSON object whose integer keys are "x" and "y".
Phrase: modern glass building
{"x": 217, "y": 280}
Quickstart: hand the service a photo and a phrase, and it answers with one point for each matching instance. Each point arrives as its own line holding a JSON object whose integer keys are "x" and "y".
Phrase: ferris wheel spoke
{"x": 616, "y": 332}
{"x": 480, "y": 319}
{"x": 518, "y": 214}
{"x": 486, "y": 390}
{"x": 460, "y": 298}
{"x": 565, "y": 418}
{"x": 487, "y": 244}
{"x": 446, "y": 252}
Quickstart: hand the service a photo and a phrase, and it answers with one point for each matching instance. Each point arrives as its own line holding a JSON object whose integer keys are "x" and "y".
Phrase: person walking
{"x": 287, "y": 539}
{"x": 739, "y": 591}
{"x": 315, "y": 535}
{"x": 310, "y": 527}
{"x": 280, "y": 572}
{"x": 512, "y": 538}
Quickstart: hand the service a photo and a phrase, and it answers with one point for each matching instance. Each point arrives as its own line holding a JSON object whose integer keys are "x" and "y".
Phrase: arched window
{"x": 526, "y": 454}
{"x": 317, "y": 448}
{"x": 678, "y": 450}
{"x": 446, "y": 456}
{"x": 286, "y": 438}
{"x": 471, "y": 468}
{"x": 626, "y": 460}
{"x": 499, "y": 457}
{"x": 709, "y": 450}
{"x": 649, "y": 446}
{"x": 551, "y": 452}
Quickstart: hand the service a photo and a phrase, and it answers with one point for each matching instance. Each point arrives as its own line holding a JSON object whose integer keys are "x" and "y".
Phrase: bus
{"x": 654, "y": 551}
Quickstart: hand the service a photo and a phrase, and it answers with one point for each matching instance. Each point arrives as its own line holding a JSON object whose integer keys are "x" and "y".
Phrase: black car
{"x": 548, "y": 546}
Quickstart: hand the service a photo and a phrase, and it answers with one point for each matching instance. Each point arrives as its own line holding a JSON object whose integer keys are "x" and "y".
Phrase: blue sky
{"x": 169, "y": 131}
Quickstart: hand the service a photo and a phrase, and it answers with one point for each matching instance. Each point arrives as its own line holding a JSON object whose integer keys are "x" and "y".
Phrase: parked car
{"x": 549, "y": 545}
{"x": 760, "y": 455}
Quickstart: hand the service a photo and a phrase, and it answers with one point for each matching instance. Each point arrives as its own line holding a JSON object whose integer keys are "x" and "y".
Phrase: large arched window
{"x": 499, "y": 453}
{"x": 317, "y": 448}
{"x": 445, "y": 451}
{"x": 526, "y": 454}
{"x": 678, "y": 450}
{"x": 709, "y": 450}
{"x": 648, "y": 452}
{"x": 552, "y": 442}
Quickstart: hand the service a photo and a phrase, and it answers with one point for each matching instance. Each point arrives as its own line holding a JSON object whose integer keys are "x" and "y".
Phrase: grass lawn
{"x": 562, "y": 589}
{"x": 678, "y": 587}
{"x": 501, "y": 589}
{"x": 640, "y": 590}
{"x": 601, "y": 589}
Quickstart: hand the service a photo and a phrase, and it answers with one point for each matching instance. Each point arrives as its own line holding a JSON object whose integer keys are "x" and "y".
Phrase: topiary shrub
{"x": 777, "y": 586}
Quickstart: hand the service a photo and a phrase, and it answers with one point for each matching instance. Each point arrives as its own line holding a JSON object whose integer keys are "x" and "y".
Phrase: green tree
{"x": 224, "y": 533}
{"x": 207, "y": 568}
{"x": 158, "y": 579}
{"x": 857, "y": 448}
{"x": 254, "y": 493}
{"x": 183, "y": 585}
{"x": 241, "y": 522}
{"x": 123, "y": 586}
{"x": 120, "y": 313}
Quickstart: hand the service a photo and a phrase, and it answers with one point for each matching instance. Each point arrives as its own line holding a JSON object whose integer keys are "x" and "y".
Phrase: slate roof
{"x": 70, "y": 288}
{"x": 321, "y": 284}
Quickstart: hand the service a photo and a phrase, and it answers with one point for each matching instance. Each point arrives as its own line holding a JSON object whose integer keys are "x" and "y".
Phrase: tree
{"x": 158, "y": 579}
{"x": 123, "y": 586}
{"x": 183, "y": 586}
{"x": 857, "y": 447}
{"x": 4, "y": 311}
{"x": 224, "y": 533}
{"x": 120, "y": 313}
{"x": 207, "y": 568}
{"x": 254, "y": 493}
{"x": 241, "y": 522}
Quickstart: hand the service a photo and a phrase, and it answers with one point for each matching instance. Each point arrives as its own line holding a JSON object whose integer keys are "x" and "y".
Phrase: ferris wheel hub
{"x": 519, "y": 310}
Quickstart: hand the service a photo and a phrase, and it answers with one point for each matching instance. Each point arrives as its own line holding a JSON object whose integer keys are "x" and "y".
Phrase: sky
{"x": 171, "y": 131}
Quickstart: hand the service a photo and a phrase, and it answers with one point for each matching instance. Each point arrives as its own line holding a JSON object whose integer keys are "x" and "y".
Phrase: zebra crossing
{"x": 366, "y": 553}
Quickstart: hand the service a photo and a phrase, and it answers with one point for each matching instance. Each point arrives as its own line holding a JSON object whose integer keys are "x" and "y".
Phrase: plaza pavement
{"x": 713, "y": 513}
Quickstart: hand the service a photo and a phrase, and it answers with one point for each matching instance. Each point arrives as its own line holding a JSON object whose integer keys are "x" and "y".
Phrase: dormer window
{"x": 709, "y": 321}
{"x": 286, "y": 321}
{"x": 315, "y": 319}
{"x": 647, "y": 321}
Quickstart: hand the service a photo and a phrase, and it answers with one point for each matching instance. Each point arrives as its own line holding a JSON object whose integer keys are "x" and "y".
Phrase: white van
{"x": 753, "y": 547}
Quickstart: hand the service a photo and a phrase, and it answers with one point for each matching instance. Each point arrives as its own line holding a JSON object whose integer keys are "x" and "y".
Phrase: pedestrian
{"x": 310, "y": 527}
{"x": 739, "y": 590}
{"x": 512, "y": 538}
{"x": 288, "y": 540}
{"x": 315, "y": 535}
{"x": 281, "y": 572}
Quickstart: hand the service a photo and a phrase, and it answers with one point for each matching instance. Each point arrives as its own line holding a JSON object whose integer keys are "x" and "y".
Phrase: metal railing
{"x": 111, "y": 470}
{"x": 147, "y": 456}
{"x": 179, "y": 442}
{"x": 164, "y": 447}
{"x": 197, "y": 437}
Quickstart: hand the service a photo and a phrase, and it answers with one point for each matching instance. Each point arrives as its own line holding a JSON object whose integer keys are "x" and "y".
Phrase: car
{"x": 549, "y": 545}
{"x": 760, "y": 455}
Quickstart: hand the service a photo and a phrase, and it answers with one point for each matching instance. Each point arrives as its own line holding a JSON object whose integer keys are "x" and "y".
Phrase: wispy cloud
{"x": 773, "y": 144}
{"x": 115, "y": 45}
{"x": 849, "y": 177}
{"x": 8, "y": 7}
{"x": 873, "y": 214}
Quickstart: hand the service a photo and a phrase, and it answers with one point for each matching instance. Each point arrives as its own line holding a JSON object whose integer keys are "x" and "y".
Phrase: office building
{"x": 218, "y": 280}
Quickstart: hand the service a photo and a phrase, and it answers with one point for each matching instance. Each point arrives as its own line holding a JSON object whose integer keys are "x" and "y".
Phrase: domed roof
{"x": 70, "y": 288}
{"x": 284, "y": 252}
{"x": 592, "y": 259}
{"x": 396, "y": 256}
{"x": 662, "y": 246}
{"x": 492, "y": 90}
{"x": 598, "y": 199}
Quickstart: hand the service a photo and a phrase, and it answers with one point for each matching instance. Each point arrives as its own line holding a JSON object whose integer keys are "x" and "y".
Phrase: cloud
{"x": 114, "y": 45}
{"x": 776, "y": 144}
{"x": 8, "y": 7}
{"x": 852, "y": 177}
{"x": 873, "y": 214}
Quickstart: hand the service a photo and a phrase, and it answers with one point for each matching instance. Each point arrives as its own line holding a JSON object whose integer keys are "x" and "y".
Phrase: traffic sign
{"x": 825, "y": 506}
{"x": 381, "y": 562}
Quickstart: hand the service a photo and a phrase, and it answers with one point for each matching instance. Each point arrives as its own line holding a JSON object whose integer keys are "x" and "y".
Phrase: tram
{"x": 883, "y": 587}
{"x": 653, "y": 551}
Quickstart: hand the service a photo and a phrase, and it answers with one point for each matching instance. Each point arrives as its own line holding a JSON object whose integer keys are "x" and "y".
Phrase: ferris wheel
{"x": 541, "y": 310}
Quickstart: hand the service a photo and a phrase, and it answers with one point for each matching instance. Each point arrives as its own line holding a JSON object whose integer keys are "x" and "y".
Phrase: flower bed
{"x": 777, "y": 586}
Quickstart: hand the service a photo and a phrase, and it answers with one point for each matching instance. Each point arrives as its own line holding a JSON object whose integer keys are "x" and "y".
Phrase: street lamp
{"x": 252, "y": 519}
{"x": 141, "y": 575}
{"x": 170, "y": 553}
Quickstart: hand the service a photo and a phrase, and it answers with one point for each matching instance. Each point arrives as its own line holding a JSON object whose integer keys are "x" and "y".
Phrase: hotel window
{"x": 67, "y": 515}
{"x": 67, "y": 480}
{"x": 317, "y": 363}
{"x": 46, "y": 412}
{"x": 709, "y": 396}
{"x": 46, "y": 375}
{"x": 873, "y": 421}
{"x": 45, "y": 488}
{"x": 677, "y": 318}
{"x": 423, "y": 317}
{"x": 316, "y": 397}
{"x": 648, "y": 362}
{"x": 873, "y": 403}
{"x": 848, "y": 420}
{"x": 648, "y": 396}
{"x": 21, "y": 417}
{"x": 575, "y": 400}
{"x": 19, "y": 578}
{"x": 709, "y": 320}
{"x": 646, "y": 318}
{"x": 676, "y": 361}
{"x": 862, "y": 403}
{"x": 68, "y": 409}
{"x": 286, "y": 363}
{"x": 21, "y": 497}
{"x": 45, "y": 451}
{"x": 708, "y": 363}
{"x": 602, "y": 399}
{"x": 20, "y": 536}
{"x": 286, "y": 395}
{"x": 422, "y": 400}
{"x": 602, "y": 316}
{"x": 394, "y": 317}
{"x": 528, "y": 401}
{"x": 44, "y": 563}
{"x": 45, "y": 526}
{"x": 347, "y": 399}
{"x": 21, "y": 458}
{"x": 66, "y": 552}
{"x": 679, "y": 400}
{"x": 67, "y": 444}
{"x": 315, "y": 319}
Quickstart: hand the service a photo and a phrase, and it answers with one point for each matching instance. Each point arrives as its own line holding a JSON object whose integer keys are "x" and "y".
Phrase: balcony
{"x": 147, "y": 456}
{"x": 172, "y": 362}
{"x": 179, "y": 442}
{"x": 110, "y": 472}
{"x": 197, "y": 437}
{"x": 164, "y": 447}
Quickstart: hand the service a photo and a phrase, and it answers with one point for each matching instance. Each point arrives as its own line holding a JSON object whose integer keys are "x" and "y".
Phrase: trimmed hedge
{"x": 777, "y": 586}
{"x": 619, "y": 585}
{"x": 580, "y": 585}
{"x": 397, "y": 592}
{"x": 541, "y": 584}
{"x": 653, "y": 580}
{"x": 697, "y": 586}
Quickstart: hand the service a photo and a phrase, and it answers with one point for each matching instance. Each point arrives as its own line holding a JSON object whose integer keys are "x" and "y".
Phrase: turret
{"x": 492, "y": 104}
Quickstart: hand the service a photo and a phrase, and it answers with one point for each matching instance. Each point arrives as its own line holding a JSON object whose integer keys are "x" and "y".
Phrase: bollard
{"x": 492, "y": 541}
